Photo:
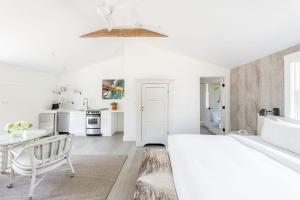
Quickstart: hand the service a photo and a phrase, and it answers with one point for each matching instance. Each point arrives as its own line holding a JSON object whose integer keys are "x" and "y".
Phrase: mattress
{"x": 233, "y": 167}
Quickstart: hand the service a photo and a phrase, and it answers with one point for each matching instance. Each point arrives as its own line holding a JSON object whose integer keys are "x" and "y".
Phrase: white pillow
{"x": 282, "y": 134}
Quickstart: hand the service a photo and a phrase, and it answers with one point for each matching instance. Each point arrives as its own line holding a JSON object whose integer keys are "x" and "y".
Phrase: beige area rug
{"x": 94, "y": 178}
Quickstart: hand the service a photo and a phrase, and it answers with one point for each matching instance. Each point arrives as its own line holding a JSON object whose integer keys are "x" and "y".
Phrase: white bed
{"x": 232, "y": 167}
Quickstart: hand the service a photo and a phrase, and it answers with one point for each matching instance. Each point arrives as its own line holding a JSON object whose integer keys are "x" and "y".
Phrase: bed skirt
{"x": 155, "y": 180}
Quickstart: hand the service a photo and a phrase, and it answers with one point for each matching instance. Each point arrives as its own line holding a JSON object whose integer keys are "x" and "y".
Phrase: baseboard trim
{"x": 186, "y": 132}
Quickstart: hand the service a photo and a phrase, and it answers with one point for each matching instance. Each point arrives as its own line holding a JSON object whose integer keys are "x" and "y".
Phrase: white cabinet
{"x": 110, "y": 122}
{"x": 77, "y": 123}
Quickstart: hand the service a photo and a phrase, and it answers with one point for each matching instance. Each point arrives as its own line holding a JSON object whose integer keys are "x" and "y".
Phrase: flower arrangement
{"x": 17, "y": 126}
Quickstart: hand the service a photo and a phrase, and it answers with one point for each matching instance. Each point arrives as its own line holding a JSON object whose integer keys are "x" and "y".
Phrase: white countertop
{"x": 61, "y": 110}
{"x": 79, "y": 110}
{"x": 114, "y": 111}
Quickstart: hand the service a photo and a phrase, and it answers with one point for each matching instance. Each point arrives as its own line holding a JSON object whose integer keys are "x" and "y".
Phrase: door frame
{"x": 139, "y": 85}
{"x": 226, "y": 101}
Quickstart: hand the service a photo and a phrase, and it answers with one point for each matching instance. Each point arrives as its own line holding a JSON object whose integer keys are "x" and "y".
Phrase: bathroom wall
{"x": 256, "y": 85}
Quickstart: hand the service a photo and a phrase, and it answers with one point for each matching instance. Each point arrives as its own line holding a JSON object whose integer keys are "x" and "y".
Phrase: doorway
{"x": 153, "y": 112}
{"x": 212, "y": 115}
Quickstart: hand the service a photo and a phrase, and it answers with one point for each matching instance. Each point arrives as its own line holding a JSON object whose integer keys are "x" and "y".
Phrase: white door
{"x": 155, "y": 113}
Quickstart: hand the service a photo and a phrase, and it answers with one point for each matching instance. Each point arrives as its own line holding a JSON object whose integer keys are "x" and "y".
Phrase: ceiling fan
{"x": 106, "y": 11}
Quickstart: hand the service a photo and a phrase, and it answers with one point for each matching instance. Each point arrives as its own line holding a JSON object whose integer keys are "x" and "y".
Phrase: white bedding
{"x": 226, "y": 168}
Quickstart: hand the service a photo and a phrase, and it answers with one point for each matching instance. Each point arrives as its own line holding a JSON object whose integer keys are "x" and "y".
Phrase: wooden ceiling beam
{"x": 124, "y": 32}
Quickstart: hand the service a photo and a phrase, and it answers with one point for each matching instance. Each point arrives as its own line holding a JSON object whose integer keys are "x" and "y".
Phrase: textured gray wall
{"x": 256, "y": 85}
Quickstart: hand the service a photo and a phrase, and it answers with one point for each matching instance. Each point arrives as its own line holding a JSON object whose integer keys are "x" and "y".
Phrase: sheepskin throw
{"x": 155, "y": 181}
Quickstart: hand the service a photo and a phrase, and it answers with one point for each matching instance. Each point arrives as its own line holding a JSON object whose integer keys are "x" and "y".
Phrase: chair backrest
{"x": 50, "y": 149}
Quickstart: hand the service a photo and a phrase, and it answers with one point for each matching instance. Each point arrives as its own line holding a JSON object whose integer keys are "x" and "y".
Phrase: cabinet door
{"x": 106, "y": 115}
{"x": 114, "y": 123}
{"x": 106, "y": 127}
{"x": 77, "y": 123}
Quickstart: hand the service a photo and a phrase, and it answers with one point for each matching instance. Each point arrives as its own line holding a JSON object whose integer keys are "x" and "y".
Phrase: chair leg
{"x": 11, "y": 176}
{"x": 32, "y": 185}
{"x": 4, "y": 160}
{"x": 71, "y": 167}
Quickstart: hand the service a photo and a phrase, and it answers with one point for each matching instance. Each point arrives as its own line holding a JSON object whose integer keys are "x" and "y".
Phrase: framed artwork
{"x": 113, "y": 88}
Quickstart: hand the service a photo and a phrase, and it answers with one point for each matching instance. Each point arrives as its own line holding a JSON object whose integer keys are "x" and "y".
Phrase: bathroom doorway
{"x": 212, "y": 109}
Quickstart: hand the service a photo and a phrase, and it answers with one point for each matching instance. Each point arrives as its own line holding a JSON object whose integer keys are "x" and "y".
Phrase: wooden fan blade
{"x": 124, "y": 32}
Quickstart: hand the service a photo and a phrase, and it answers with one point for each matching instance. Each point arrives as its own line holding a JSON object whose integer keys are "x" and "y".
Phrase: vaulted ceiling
{"x": 44, "y": 35}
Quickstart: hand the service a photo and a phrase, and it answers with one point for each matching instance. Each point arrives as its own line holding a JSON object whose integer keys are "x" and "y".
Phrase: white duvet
{"x": 226, "y": 168}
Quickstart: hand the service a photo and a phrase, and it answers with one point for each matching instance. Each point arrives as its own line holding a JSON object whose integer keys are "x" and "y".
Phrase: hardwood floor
{"x": 125, "y": 184}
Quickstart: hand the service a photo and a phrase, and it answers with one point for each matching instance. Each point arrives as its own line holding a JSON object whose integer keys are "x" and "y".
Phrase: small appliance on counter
{"x": 55, "y": 106}
{"x": 93, "y": 122}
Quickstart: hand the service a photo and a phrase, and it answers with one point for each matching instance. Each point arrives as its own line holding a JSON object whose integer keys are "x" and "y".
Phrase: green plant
{"x": 15, "y": 126}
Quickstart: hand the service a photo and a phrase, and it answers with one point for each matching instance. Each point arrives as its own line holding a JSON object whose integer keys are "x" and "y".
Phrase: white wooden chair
{"x": 39, "y": 158}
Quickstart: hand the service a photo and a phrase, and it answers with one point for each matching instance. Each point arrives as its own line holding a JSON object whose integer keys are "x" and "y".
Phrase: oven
{"x": 93, "y": 122}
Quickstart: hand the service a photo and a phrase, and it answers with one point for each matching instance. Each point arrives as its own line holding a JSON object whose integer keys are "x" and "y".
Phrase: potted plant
{"x": 114, "y": 105}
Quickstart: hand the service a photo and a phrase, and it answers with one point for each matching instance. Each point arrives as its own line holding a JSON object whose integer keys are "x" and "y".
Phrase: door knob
{"x": 142, "y": 108}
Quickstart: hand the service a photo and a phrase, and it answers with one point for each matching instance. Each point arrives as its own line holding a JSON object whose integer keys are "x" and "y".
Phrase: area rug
{"x": 95, "y": 176}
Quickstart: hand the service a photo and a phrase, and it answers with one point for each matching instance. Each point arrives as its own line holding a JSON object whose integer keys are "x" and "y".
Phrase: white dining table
{"x": 18, "y": 138}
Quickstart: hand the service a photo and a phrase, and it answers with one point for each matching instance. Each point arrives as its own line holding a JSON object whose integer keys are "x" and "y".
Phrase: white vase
{"x": 24, "y": 134}
{"x": 19, "y": 134}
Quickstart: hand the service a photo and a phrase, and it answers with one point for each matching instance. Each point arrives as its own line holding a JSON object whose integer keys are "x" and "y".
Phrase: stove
{"x": 93, "y": 122}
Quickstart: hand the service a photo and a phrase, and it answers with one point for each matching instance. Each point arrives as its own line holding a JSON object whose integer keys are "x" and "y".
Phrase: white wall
{"x": 23, "y": 94}
{"x": 89, "y": 81}
{"x": 146, "y": 62}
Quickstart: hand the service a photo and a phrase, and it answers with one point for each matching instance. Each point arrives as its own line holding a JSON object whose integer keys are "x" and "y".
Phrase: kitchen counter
{"x": 74, "y": 120}
{"x": 110, "y": 110}
{"x": 112, "y": 121}
{"x": 63, "y": 120}
{"x": 77, "y": 110}
{"x": 61, "y": 110}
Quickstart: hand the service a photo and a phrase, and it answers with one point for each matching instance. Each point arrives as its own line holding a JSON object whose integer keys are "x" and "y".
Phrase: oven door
{"x": 93, "y": 121}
